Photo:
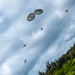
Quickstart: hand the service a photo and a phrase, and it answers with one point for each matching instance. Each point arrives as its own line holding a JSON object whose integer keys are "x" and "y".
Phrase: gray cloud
{"x": 43, "y": 46}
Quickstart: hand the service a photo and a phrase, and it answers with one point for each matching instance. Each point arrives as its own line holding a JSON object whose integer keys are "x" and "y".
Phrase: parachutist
{"x": 41, "y": 28}
{"x": 24, "y": 45}
{"x": 31, "y": 16}
{"x": 25, "y": 61}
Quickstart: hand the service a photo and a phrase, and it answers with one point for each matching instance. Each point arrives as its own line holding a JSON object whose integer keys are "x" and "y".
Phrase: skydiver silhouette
{"x": 24, "y": 45}
{"x": 41, "y": 28}
{"x": 25, "y": 61}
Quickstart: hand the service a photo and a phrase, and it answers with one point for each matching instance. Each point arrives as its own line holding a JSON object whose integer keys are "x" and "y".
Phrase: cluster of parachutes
{"x": 31, "y": 16}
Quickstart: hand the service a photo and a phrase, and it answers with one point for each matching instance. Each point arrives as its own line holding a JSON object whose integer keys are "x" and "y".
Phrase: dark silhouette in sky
{"x": 38, "y": 11}
{"x": 66, "y": 10}
{"x": 24, "y": 45}
{"x": 41, "y": 28}
{"x": 25, "y": 61}
{"x": 30, "y": 17}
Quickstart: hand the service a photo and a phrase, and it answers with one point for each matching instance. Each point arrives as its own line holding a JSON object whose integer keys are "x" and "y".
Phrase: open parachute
{"x": 30, "y": 17}
{"x": 38, "y": 11}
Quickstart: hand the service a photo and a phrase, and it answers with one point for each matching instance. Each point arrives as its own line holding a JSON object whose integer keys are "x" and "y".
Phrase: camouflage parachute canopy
{"x": 38, "y": 11}
{"x": 30, "y": 17}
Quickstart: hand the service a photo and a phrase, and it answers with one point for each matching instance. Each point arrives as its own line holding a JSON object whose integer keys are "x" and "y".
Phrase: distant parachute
{"x": 30, "y": 17}
{"x": 66, "y": 11}
{"x": 25, "y": 61}
{"x": 38, "y": 11}
{"x": 41, "y": 28}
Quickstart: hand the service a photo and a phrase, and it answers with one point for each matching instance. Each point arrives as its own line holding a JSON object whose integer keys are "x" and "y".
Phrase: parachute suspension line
{"x": 31, "y": 16}
{"x": 40, "y": 26}
{"x": 38, "y": 23}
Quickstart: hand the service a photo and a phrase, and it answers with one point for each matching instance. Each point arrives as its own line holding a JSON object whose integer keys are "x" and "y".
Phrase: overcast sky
{"x": 55, "y": 39}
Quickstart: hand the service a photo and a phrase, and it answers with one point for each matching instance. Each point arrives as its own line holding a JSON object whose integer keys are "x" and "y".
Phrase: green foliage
{"x": 65, "y": 65}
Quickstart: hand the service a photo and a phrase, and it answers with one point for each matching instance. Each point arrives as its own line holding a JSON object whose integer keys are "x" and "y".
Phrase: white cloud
{"x": 5, "y": 70}
{"x": 42, "y": 45}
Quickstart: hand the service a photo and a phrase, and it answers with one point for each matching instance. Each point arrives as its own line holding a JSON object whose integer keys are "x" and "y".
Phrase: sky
{"x": 56, "y": 38}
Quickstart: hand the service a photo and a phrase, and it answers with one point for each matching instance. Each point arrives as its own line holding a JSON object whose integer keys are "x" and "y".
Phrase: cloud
{"x": 5, "y": 70}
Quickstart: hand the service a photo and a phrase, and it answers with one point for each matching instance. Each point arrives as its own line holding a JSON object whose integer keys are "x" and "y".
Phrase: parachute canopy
{"x": 38, "y": 11}
{"x": 30, "y": 17}
{"x": 66, "y": 11}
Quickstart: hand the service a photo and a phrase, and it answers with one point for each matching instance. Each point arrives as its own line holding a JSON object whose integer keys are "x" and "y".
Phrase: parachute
{"x": 38, "y": 11}
{"x": 30, "y": 17}
{"x": 41, "y": 28}
{"x": 66, "y": 11}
